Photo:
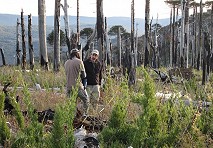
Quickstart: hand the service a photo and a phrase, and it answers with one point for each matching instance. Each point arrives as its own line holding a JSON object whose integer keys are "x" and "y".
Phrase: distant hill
{"x": 8, "y": 29}
{"x": 10, "y": 20}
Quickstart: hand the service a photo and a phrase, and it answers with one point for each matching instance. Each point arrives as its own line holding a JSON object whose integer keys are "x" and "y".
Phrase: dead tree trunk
{"x": 78, "y": 24}
{"x": 56, "y": 64}
{"x": 18, "y": 60}
{"x": 182, "y": 36}
{"x": 24, "y": 53}
{"x": 206, "y": 49}
{"x": 30, "y": 42}
{"x": 132, "y": 74}
{"x": 211, "y": 65}
{"x": 187, "y": 34}
{"x": 100, "y": 28}
{"x": 119, "y": 46}
{"x": 200, "y": 37}
{"x": 107, "y": 45}
{"x": 3, "y": 57}
{"x": 147, "y": 10}
{"x": 171, "y": 39}
{"x": 66, "y": 22}
{"x": 42, "y": 34}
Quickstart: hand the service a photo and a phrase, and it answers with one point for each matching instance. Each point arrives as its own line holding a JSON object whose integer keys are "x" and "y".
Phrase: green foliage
{"x": 118, "y": 132}
{"x": 114, "y": 30}
{"x": 2, "y": 98}
{"x": 50, "y": 38}
{"x": 86, "y": 32}
{"x": 62, "y": 133}
{"x": 4, "y": 131}
{"x": 205, "y": 122}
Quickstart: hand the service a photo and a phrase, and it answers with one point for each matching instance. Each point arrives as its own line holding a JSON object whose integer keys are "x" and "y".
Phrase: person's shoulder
{"x": 87, "y": 60}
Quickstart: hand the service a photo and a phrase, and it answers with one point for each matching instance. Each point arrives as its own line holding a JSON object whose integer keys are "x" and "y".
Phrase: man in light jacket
{"x": 74, "y": 70}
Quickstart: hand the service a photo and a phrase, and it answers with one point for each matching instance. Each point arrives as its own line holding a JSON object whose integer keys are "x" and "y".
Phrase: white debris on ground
{"x": 84, "y": 139}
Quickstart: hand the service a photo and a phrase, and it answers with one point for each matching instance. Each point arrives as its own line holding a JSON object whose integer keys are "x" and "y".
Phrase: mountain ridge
{"x": 8, "y": 29}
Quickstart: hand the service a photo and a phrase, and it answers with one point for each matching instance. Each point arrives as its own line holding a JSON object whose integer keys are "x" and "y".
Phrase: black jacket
{"x": 93, "y": 72}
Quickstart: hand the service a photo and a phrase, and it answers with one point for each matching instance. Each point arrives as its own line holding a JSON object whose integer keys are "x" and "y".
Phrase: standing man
{"x": 74, "y": 70}
{"x": 94, "y": 75}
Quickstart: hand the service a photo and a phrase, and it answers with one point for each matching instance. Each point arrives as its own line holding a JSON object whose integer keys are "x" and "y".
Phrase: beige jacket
{"x": 73, "y": 69}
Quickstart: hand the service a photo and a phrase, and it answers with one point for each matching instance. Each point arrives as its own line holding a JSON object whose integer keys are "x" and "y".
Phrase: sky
{"x": 88, "y": 8}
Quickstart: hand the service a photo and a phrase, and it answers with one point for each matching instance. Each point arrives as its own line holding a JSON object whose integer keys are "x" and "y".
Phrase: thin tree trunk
{"x": 132, "y": 74}
{"x": 200, "y": 38}
{"x": 42, "y": 34}
{"x": 119, "y": 46}
{"x": 78, "y": 24}
{"x": 107, "y": 45}
{"x": 147, "y": 10}
{"x": 56, "y": 64}
{"x": 30, "y": 42}
{"x": 211, "y": 60}
{"x": 18, "y": 57}
{"x": 171, "y": 40}
{"x": 66, "y": 22}
{"x": 187, "y": 33}
{"x": 3, "y": 57}
{"x": 136, "y": 46}
{"x": 100, "y": 29}
{"x": 206, "y": 48}
{"x": 182, "y": 37}
{"x": 24, "y": 53}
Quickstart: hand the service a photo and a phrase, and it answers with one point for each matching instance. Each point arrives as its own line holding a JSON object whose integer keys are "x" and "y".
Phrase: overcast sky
{"x": 88, "y": 7}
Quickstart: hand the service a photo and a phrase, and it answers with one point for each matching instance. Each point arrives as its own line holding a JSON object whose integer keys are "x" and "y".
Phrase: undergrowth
{"x": 135, "y": 116}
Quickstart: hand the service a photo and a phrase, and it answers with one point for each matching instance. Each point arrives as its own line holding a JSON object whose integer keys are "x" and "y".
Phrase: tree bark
{"x": 18, "y": 56}
{"x": 24, "y": 53}
{"x": 182, "y": 36}
{"x": 119, "y": 46}
{"x": 187, "y": 34}
{"x": 147, "y": 10}
{"x": 66, "y": 22}
{"x": 56, "y": 63}
{"x": 42, "y": 34}
{"x": 3, "y": 57}
{"x": 100, "y": 29}
{"x": 30, "y": 42}
{"x": 200, "y": 38}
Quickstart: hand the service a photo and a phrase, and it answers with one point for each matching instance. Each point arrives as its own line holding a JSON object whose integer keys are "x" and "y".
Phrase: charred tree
{"x": 18, "y": 56}
{"x": 56, "y": 63}
{"x": 200, "y": 36}
{"x": 182, "y": 34}
{"x": 42, "y": 34}
{"x": 3, "y": 57}
{"x": 147, "y": 13}
{"x": 24, "y": 52}
{"x": 66, "y": 22}
{"x": 206, "y": 54}
{"x": 173, "y": 4}
{"x": 119, "y": 46}
{"x": 30, "y": 42}
{"x": 132, "y": 73}
{"x": 78, "y": 24}
{"x": 100, "y": 29}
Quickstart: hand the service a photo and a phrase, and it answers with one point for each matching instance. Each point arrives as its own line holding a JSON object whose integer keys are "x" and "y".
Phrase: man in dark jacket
{"x": 93, "y": 70}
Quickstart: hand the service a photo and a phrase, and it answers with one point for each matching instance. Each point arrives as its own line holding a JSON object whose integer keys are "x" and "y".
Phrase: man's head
{"x": 74, "y": 53}
{"x": 94, "y": 55}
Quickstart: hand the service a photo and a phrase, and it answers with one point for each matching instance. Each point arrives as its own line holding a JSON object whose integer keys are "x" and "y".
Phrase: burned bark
{"x": 30, "y": 42}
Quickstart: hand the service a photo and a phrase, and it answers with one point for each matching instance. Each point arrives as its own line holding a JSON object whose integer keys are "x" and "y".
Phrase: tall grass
{"x": 135, "y": 117}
